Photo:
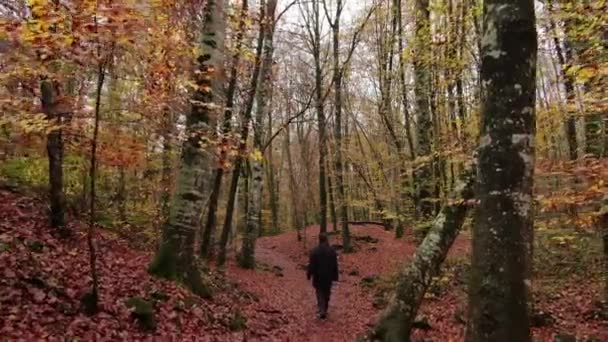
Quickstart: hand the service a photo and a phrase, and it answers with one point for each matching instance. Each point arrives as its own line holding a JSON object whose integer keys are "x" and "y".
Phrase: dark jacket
{"x": 323, "y": 266}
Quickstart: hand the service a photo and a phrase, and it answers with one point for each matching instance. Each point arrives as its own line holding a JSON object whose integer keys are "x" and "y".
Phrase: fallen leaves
{"x": 43, "y": 279}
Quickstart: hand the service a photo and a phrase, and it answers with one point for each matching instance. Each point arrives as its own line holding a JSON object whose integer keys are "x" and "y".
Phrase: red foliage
{"x": 42, "y": 280}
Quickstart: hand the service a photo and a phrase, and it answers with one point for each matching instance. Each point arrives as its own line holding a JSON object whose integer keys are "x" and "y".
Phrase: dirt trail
{"x": 282, "y": 286}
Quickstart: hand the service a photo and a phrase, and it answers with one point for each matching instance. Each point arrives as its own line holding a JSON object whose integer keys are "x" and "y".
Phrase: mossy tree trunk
{"x": 422, "y": 79}
{"x": 502, "y": 234}
{"x": 404, "y": 174}
{"x": 176, "y": 257}
{"x": 252, "y": 226}
{"x": 396, "y": 321}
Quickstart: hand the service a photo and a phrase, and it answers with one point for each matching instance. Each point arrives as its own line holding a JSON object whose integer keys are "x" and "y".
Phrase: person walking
{"x": 323, "y": 269}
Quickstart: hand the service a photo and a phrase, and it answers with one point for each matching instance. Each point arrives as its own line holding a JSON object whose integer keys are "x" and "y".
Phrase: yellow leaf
{"x": 256, "y": 156}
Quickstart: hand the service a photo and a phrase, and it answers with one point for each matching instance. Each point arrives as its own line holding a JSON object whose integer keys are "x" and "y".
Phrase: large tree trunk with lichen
{"x": 396, "y": 321}
{"x": 502, "y": 234}
{"x": 422, "y": 79}
{"x": 175, "y": 258}
{"x": 252, "y": 226}
{"x": 54, "y": 146}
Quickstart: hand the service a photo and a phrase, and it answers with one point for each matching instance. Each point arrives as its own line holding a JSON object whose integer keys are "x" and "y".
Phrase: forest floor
{"x": 42, "y": 279}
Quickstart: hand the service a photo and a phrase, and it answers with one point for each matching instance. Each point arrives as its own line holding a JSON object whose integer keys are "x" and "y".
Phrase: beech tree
{"x": 502, "y": 232}
{"x": 175, "y": 258}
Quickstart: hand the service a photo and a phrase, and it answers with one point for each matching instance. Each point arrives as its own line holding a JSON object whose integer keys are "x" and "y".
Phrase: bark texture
{"x": 502, "y": 235}
{"x": 396, "y": 321}
{"x": 176, "y": 257}
{"x": 422, "y": 79}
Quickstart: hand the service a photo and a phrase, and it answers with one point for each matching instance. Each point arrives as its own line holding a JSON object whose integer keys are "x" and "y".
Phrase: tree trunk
{"x": 91, "y": 299}
{"x": 396, "y": 321}
{"x": 603, "y": 229}
{"x": 166, "y": 176}
{"x": 321, "y": 121}
{"x": 332, "y": 203}
{"x": 226, "y": 229}
{"x": 404, "y": 175}
{"x": 206, "y": 249}
{"x": 422, "y": 78}
{"x": 296, "y": 213}
{"x": 502, "y": 234}
{"x": 176, "y": 257}
{"x": 570, "y": 124}
{"x": 252, "y": 226}
{"x": 342, "y": 210}
{"x": 122, "y": 194}
{"x": 402, "y": 80}
{"x": 240, "y": 163}
{"x": 54, "y": 147}
{"x": 273, "y": 189}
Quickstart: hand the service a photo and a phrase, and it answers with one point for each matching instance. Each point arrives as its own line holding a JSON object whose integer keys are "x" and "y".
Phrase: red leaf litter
{"x": 43, "y": 278}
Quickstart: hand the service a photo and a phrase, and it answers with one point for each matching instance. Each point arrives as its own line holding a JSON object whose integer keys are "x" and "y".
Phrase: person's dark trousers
{"x": 323, "y": 295}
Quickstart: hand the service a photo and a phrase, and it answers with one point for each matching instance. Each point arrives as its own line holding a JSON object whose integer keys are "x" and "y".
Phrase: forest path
{"x": 281, "y": 285}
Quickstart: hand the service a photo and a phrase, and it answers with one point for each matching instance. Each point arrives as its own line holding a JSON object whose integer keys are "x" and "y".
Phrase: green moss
{"x": 391, "y": 329}
{"x": 164, "y": 266}
{"x": 421, "y": 230}
{"x": 238, "y": 322}
{"x": 246, "y": 261}
{"x": 369, "y": 281}
{"x": 143, "y": 311}
{"x": 35, "y": 246}
{"x": 159, "y": 296}
{"x": 164, "y": 262}
{"x": 400, "y": 231}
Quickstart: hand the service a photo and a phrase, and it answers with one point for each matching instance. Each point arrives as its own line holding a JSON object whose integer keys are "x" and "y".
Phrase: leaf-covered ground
{"x": 43, "y": 278}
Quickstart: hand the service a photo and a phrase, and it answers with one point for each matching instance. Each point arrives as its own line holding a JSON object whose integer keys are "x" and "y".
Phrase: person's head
{"x": 323, "y": 238}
